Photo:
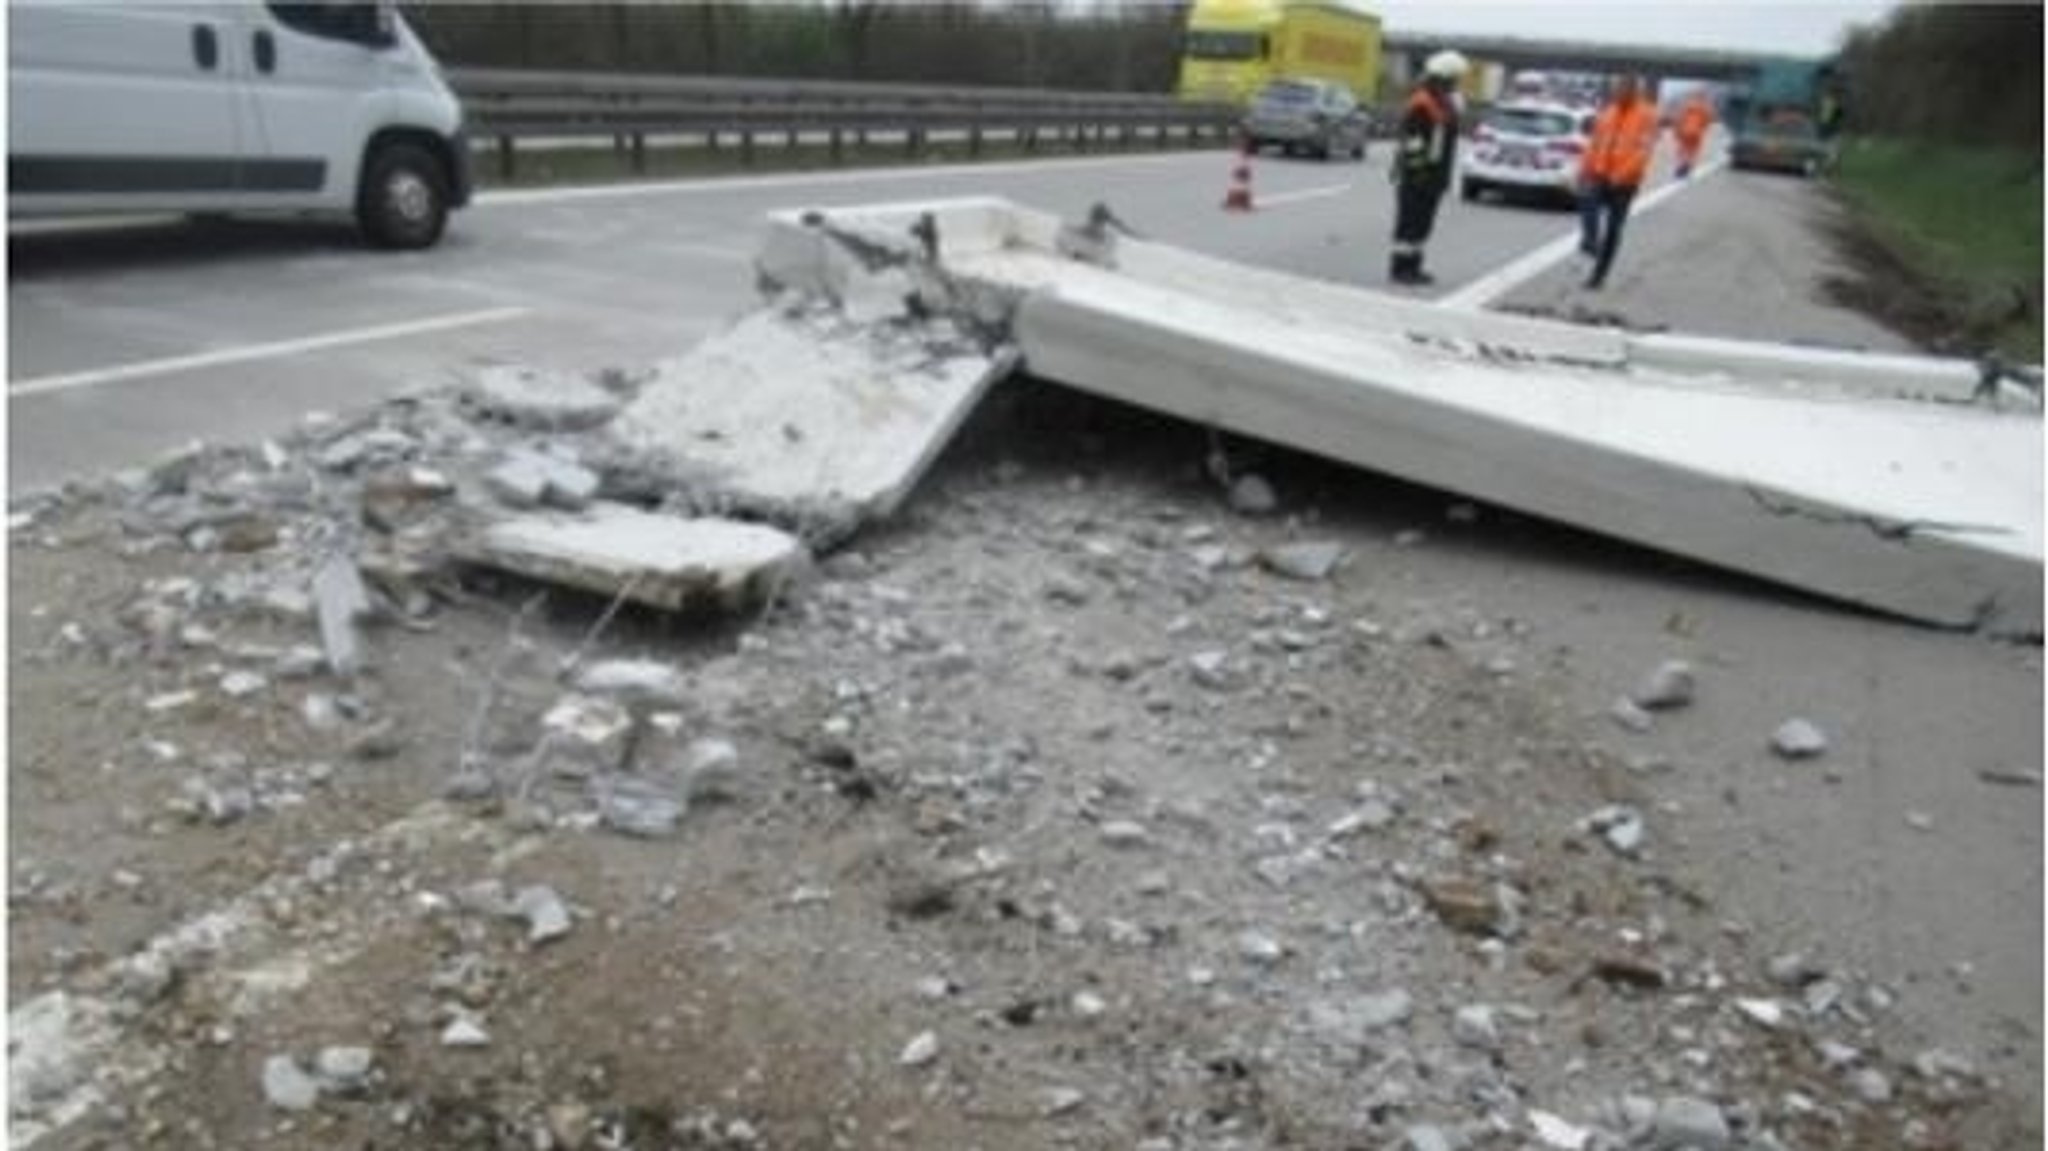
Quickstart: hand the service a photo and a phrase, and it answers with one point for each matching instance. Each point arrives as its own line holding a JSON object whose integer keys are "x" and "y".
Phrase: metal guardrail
{"x": 507, "y": 106}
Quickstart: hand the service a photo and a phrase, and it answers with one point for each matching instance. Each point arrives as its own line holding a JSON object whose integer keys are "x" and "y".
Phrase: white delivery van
{"x": 223, "y": 106}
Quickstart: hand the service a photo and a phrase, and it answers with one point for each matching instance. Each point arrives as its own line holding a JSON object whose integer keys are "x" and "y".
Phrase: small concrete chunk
{"x": 633, "y": 682}
{"x": 546, "y": 917}
{"x": 536, "y": 399}
{"x": 343, "y": 1070}
{"x": 464, "y": 1031}
{"x": 1669, "y": 685}
{"x": 711, "y": 771}
{"x": 921, "y": 1050}
{"x": 1870, "y": 1085}
{"x": 1473, "y": 1026}
{"x": 1426, "y": 1137}
{"x": 1627, "y": 713}
{"x": 1799, "y": 739}
{"x": 1310, "y": 561}
{"x": 287, "y": 1086}
{"x": 1251, "y": 495}
{"x": 637, "y": 807}
{"x": 1685, "y": 1122}
{"x": 529, "y": 479}
{"x": 659, "y": 560}
{"x": 340, "y": 599}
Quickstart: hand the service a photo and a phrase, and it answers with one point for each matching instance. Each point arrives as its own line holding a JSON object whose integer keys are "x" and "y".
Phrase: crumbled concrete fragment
{"x": 637, "y": 807}
{"x": 169, "y": 700}
{"x": 340, "y": 599}
{"x": 1251, "y": 495}
{"x": 286, "y": 1086}
{"x": 1937, "y": 1063}
{"x": 1794, "y": 970}
{"x": 464, "y": 1031}
{"x": 1685, "y": 1122}
{"x": 1630, "y": 716}
{"x": 343, "y": 1070}
{"x": 527, "y": 479}
{"x": 546, "y": 916}
{"x": 921, "y": 1050}
{"x": 711, "y": 771}
{"x": 660, "y": 560}
{"x": 635, "y": 682}
{"x": 1870, "y": 1085}
{"x": 1088, "y": 1005}
{"x": 299, "y": 661}
{"x": 1474, "y": 1026}
{"x": 1669, "y": 685}
{"x": 537, "y": 399}
{"x": 1463, "y": 905}
{"x": 1426, "y": 1137}
{"x": 1554, "y": 1131}
{"x": 1210, "y": 668}
{"x": 1371, "y": 815}
{"x": 242, "y": 684}
{"x": 1061, "y": 1100}
{"x": 1309, "y": 560}
{"x": 1767, "y": 1013}
{"x": 1260, "y": 948}
{"x": 1381, "y": 1009}
{"x": 1799, "y": 739}
{"x": 1620, "y": 826}
{"x": 1124, "y": 833}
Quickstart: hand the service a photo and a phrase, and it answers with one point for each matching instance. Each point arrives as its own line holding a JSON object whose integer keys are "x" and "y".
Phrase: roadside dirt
{"x": 1053, "y": 768}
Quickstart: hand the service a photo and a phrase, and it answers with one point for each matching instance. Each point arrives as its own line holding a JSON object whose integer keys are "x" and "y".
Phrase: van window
{"x": 355, "y": 22}
{"x": 1225, "y": 45}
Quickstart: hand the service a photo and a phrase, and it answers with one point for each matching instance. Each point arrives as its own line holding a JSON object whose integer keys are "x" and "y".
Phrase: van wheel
{"x": 404, "y": 199}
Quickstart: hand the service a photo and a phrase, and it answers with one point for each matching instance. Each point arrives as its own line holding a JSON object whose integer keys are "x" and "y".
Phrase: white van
{"x": 221, "y": 106}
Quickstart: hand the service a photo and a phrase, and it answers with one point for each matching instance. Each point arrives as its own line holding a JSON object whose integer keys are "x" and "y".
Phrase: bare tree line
{"x": 1105, "y": 46}
{"x": 1961, "y": 73}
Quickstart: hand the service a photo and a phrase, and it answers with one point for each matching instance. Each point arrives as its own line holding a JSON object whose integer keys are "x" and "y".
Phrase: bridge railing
{"x": 506, "y": 107}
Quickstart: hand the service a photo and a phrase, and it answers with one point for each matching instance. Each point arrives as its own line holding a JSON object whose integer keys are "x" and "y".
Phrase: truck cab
{"x": 228, "y": 106}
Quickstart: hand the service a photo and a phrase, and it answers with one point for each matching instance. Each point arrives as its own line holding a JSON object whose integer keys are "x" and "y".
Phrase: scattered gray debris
{"x": 528, "y": 479}
{"x": 1691, "y": 1124}
{"x": 546, "y": 917}
{"x": 465, "y": 1031}
{"x": 1620, "y": 826}
{"x": 1556, "y": 1132}
{"x": 287, "y": 1086}
{"x": 1260, "y": 948}
{"x": 1766, "y": 1013}
{"x": 299, "y": 661}
{"x": 1211, "y": 669}
{"x": 343, "y": 1070}
{"x": 1798, "y": 739}
{"x": 1251, "y": 495}
{"x": 1938, "y": 1063}
{"x": 1474, "y": 1026}
{"x": 538, "y": 400}
{"x": 242, "y": 684}
{"x": 1308, "y": 560}
{"x": 169, "y": 701}
{"x": 1369, "y": 815}
{"x": 1631, "y": 716}
{"x": 586, "y": 735}
{"x": 921, "y": 1050}
{"x": 637, "y": 807}
{"x": 1061, "y": 1100}
{"x": 1669, "y": 685}
{"x": 711, "y": 771}
{"x": 1870, "y": 1085}
{"x": 1427, "y": 1137}
{"x": 1124, "y": 833}
{"x": 340, "y": 599}
{"x": 1088, "y": 1005}
{"x": 634, "y": 682}
{"x": 1794, "y": 970}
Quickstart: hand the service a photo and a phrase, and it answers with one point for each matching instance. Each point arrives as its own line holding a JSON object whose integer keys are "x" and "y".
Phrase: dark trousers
{"x": 1602, "y": 212}
{"x": 1415, "y": 205}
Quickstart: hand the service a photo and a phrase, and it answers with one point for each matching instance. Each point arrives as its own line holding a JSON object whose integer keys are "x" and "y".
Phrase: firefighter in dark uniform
{"x": 1424, "y": 163}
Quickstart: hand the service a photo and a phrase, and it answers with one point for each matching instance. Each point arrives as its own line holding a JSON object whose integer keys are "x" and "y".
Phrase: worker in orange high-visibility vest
{"x": 1691, "y": 130}
{"x": 1616, "y": 161}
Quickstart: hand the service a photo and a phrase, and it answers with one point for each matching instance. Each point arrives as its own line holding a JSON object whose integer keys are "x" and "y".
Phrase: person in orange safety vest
{"x": 1612, "y": 170}
{"x": 1691, "y": 130}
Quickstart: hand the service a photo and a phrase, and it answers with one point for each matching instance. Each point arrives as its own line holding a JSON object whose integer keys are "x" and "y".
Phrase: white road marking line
{"x": 1304, "y": 194}
{"x": 515, "y": 197}
{"x": 44, "y": 385}
{"x": 1513, "y": 274}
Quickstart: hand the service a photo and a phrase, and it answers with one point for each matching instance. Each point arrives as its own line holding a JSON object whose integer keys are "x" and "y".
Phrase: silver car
{"x": 1313, "y": 116}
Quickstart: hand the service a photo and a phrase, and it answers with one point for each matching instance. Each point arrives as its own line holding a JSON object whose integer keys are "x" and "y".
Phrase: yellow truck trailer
{"x": 1233, "y": 47}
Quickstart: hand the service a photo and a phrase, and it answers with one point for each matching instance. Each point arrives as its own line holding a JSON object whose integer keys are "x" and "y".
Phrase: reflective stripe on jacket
{"x": 1429, "y": 138}
{"x": 1624, "y": 136}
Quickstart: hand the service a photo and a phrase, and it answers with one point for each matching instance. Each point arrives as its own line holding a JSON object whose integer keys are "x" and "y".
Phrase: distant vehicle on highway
{"x": 1529, "y": 148}
{"x": 1234, "y": 48}
{"x": 1312, "y": 116}
{"x": 1777, "y": 118}
{"x": 232, "y": 106}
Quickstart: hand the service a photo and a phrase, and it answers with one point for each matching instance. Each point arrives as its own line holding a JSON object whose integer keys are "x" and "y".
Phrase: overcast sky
{"x": 1802, "y": 27}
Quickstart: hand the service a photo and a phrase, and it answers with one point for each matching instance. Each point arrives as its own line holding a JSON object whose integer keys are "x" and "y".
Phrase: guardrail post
{"x": 1029, "y": 134}
{"x": 506, "y": 163}
{"x": 974, "y": 140}
{"x": 1159, "y": 137}
{"x": 711, "y": 140}
{"x": 747, "y": 147}
{"x": 838, "y": 150}
{"x": 911, "y": 142}
{"x": 640, "y": 153}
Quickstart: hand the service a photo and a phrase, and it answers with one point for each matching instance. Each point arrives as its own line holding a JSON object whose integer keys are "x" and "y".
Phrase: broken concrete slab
{"x": 340, "y": 599}
{"x": 1761, "y": 461}
{"x": 808, "y": 420}
{"x": 537, "y": 399}
{"x": 526, "y": 479}
{"x": 663, "y": 561}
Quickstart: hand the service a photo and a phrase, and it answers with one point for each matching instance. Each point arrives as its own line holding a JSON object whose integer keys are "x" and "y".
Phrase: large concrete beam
{"x": 1826, "y": 474}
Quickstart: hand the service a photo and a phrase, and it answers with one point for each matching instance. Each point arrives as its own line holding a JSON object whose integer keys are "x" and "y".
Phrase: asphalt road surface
{"x": 129, "y": 340}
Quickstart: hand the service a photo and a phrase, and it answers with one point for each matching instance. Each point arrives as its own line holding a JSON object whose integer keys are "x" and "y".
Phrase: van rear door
{"x": 122, "y": 106}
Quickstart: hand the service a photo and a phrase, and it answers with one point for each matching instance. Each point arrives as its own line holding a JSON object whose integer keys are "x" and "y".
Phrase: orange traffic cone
{"x": 1239, "y": 198}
